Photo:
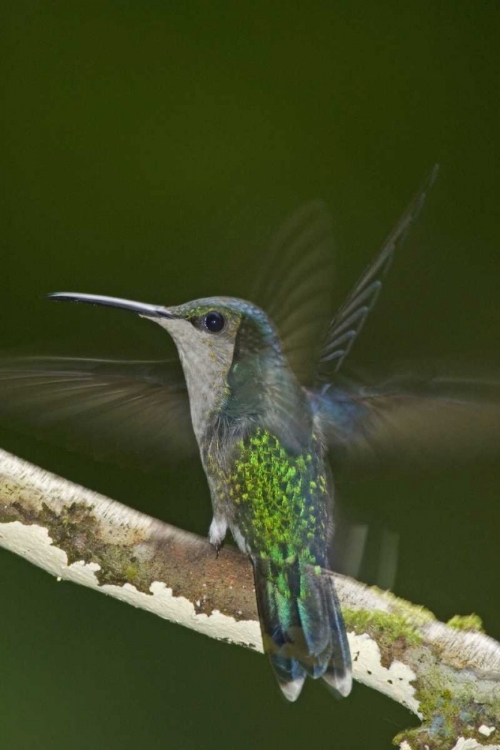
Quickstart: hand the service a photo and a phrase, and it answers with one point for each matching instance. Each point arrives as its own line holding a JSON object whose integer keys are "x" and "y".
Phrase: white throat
{"x": 206, "y": 362}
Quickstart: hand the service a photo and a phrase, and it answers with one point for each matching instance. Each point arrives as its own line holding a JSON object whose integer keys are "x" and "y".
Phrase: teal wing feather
{"x": 350, "y": 319}
{"x": 412, "y": 422}
{"x": 295, "y": 283}
{"x": 113, "y": 409}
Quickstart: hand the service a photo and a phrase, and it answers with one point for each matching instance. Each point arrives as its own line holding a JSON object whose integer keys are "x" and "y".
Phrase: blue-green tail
{"x": 302, "y": 626}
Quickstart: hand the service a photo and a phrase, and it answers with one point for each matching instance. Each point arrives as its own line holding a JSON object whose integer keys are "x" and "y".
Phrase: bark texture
{"x": 449, "y": 675}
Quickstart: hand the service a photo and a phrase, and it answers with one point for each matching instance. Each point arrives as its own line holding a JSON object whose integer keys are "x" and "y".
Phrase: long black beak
{"x": 151, "y": 311}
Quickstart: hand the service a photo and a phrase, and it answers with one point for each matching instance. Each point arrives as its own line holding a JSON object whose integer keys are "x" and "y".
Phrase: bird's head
{"x": 227, "y": 347}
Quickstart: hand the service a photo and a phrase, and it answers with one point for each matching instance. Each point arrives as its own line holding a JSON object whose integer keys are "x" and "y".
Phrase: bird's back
{"x": 278, "y": 508}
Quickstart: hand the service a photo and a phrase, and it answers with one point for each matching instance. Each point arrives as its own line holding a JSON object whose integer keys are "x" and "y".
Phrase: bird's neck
{"x": 244, "y": 395}
{"x": 264, "y": 394}
{"x": 252, "y": 382}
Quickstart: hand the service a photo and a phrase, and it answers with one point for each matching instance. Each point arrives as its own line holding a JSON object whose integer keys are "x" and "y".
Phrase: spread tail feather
{"x": 302, "y": 626}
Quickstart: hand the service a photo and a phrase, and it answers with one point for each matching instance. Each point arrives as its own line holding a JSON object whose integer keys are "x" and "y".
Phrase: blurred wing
{"x": 295, "y": 285}
{"x": 348, "y": 322}
{"x": 411, "y": 423}
{"x": 115, "y": 410}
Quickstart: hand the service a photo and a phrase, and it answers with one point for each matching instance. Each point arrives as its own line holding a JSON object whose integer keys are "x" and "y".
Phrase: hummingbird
{"x": 268, "y": 409}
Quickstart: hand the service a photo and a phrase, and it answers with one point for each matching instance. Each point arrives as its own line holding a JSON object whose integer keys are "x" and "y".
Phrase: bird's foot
{"x": 216, "y": 534}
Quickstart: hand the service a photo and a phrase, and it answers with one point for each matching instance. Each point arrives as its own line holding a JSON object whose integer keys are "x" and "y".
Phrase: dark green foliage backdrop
{"x": 146, "y": 151}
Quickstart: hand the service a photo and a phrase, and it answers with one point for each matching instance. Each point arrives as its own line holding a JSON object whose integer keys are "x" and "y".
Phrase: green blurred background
{"x": 147, "y": 150}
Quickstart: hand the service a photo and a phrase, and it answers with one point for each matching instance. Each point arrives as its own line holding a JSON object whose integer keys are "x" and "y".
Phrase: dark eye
{"x": 214, "y": 321}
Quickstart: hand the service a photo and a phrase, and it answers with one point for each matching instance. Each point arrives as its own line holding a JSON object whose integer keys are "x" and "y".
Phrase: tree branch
{"x": 448, "y": 676}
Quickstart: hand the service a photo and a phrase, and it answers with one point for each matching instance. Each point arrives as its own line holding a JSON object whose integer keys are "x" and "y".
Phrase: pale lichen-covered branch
{"x": 448, "y": 676}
